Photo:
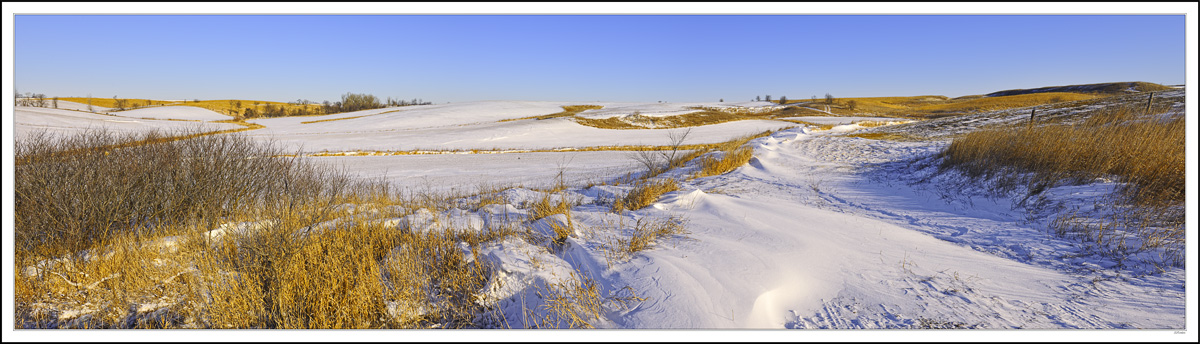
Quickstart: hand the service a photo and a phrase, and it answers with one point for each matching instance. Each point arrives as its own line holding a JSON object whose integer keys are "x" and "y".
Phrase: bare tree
{"x": 120, "y": 104}
{"x": 782, "y": 100}
{"x": 35, "y": 99}
{"x": 657, "y": 162}
{"x": 676, "y": 138}
{"x": 89, "y": 103}
{"x": 828, "y": 99}
{"x": 55, "y": 101}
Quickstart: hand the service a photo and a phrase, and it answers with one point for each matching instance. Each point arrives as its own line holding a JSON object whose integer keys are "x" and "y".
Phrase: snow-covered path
{"x": 798, "y": 239}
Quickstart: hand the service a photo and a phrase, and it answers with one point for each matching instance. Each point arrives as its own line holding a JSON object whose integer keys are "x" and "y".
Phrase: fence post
{"x": 1148, "y": 102}
{"x": 1031, "y": 112}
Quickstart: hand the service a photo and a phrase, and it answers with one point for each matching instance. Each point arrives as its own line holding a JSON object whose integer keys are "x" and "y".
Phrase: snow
{"x": 68, "y": 122}
{"x": 447, "y": 172}
{"x": 808, "y": 236}
{"x": 817, "y": 231}
{"x": 63, "y": 104}
{"x": 475, "y": 126}
{"x": 190, "y": 113}
{"x": 843, "y": 120}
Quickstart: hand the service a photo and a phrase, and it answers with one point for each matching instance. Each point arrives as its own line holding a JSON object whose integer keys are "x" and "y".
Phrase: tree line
{"x": 34, "y": 99}
{"x": 349, "y": 102}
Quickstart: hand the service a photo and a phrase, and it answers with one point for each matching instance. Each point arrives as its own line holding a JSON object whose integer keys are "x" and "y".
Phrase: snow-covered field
{"x": 62, "y": 104}
{"x": 817, "y": 231}
{"x": 475, "y": 126}
{"x": 191, "y": 113}
{"x": 68, "y": 122}
{"x": 468, "y": 172}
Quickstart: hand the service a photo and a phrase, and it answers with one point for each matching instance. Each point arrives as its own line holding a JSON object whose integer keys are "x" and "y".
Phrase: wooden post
{"x": 1031, "y": 112}
{"x": 1148, "y": 102}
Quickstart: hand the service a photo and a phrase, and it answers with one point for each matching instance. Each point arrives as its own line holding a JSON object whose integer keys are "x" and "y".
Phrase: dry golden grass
{"x": 811, "y": 124}
{"x": 231, "y": 107}
{"x": 568, "y": 110}
{"x": 645, "y": 233}
{"x": 576, "y": 303}
{"x": 237, "y": 107}
{"x": 733, "y": 154}
{"x": 729, "y": 160}
{"x": 1107, "y": 89}
{"x": 886, "y": 136}
{"x": 1004, "y": 102}
{"x": 146, "y": 236}
{"x": 515, "y": 150}
{"x": 110, "y": 102}
{"x": 925, "y": 106}
{"x": 644, "y": 194}
{"x": 550, "y": 205}
{"x": 345, "y": 118}
{"x": 703, "y": 116}
{"x": 1148, "y": 153}
{"x": 1145, "y": 152}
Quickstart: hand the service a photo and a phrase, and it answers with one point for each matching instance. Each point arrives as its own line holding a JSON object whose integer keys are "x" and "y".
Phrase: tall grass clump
{"x": 643, "y": 194}
{"x": 1148, "y": 154}
{"x": 644, "y": 234}
{"x": 1145, "y": 153}
{"x": 709, "y": 165}
{"x": 220, "y": 231}
{"x": 733, "y": 154}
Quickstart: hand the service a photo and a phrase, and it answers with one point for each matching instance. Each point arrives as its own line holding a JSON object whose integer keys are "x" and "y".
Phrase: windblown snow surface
{"x": 65, "y": 122}
{"x": 818, "y": 231}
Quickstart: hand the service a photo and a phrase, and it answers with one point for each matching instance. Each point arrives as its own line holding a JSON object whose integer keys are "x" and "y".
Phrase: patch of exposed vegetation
{"x": 568, "y": 110}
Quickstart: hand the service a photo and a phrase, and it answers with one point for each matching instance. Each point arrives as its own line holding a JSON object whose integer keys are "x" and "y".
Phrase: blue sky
{"x": 678, "y": 58}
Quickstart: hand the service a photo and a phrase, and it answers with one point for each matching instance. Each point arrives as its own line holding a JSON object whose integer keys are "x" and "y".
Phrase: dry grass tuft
{"x": 733, "y": 154}
{"x": 645, "y": 233}
{"x": 644, "y": 194}
{"x": 728, "y": 161}
{"x": 577, "y": 302}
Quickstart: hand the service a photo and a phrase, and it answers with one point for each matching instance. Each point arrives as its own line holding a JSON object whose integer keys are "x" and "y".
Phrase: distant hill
{"x": 1110, "y": 88}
